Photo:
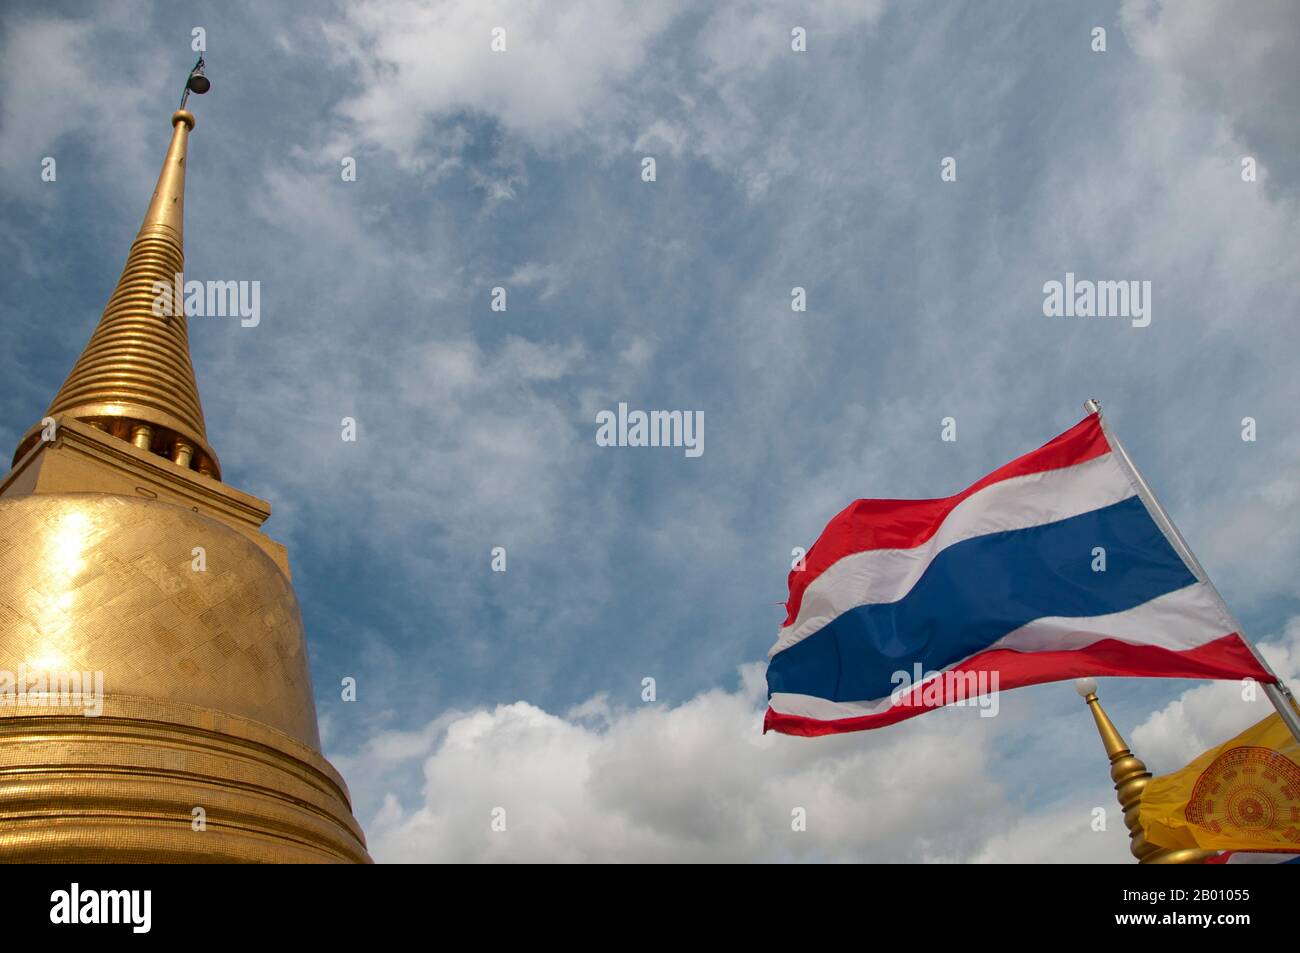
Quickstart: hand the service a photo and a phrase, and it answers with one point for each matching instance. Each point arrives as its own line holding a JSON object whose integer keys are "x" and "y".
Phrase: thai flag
{"x": 1051, "y": 567}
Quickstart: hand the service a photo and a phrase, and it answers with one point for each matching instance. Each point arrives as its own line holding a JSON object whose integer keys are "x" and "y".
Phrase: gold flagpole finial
{"x": 1131, "y": 776}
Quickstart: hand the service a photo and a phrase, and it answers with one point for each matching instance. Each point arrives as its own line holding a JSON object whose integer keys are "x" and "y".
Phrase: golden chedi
{"x": 155, "y": 699}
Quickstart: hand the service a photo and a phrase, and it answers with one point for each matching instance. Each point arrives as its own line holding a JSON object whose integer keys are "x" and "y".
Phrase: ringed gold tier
{"x": 155, "y": 695}
{"x": 135, "y": 377}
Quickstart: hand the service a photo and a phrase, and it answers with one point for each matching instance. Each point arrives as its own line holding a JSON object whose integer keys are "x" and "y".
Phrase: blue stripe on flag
{"x": 976, "y": 591}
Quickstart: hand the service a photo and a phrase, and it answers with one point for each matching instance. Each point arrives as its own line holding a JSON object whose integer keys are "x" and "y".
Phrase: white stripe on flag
{"x": 1246, "y": 857}
{"x": 887, "y": 575}
{"x": 1179, "y": 620}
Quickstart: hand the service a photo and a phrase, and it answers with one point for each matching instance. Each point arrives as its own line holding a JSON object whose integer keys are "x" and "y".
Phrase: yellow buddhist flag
{"x": 1242, "y": 795}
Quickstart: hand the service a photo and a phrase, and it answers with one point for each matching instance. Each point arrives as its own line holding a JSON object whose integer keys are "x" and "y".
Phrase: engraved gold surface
{"x": 94, "y": 582}
{"x": 207, "y": 696}
{"x": 136, "y": 368}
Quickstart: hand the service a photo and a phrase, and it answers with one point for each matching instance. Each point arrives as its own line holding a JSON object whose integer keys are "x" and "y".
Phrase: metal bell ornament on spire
{"x": 197, "y": 82}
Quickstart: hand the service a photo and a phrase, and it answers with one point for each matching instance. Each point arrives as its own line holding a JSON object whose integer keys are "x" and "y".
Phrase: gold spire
{"x": 134, "y": 379}
{"x": 1130, "y": 775}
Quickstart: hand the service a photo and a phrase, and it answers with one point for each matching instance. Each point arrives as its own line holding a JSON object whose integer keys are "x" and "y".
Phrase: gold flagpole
{"x": 1276, "y": 691}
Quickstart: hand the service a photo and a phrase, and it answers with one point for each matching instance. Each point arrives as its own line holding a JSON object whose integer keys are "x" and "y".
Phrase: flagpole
{"x": 1277, "y": 691}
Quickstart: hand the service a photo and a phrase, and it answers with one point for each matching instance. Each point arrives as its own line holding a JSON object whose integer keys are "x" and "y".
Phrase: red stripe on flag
{"x": 902, "y": 524}
{"x": 1226, "y": 657}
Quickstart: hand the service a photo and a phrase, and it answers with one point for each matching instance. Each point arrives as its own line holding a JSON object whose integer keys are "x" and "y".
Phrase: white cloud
{"x": 1238, "y": 60}
{"x": 549, "y": 277}
{"x": 487, "y": 442}
{"x": 54, "y": 88}
{"x": 637, "y": 353}
{"x": 562, "y": 68}
{"x": 692, "y": 782}
{"x": 613, "y": 75}
{"x": 1062, "y": 834}
{"x": 698, "y": 782}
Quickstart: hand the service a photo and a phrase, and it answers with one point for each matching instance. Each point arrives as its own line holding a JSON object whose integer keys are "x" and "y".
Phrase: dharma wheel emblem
{"x": 1249, "y": 792}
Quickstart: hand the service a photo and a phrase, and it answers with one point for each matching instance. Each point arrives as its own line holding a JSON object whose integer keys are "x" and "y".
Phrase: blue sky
{"x": 477, "y": 428}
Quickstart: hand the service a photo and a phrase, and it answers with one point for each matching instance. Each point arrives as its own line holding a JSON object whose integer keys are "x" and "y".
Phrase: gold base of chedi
{"x": 126, "y": 787}
{"x": 155, "y": 698}
{"x": 206, "y": 747}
